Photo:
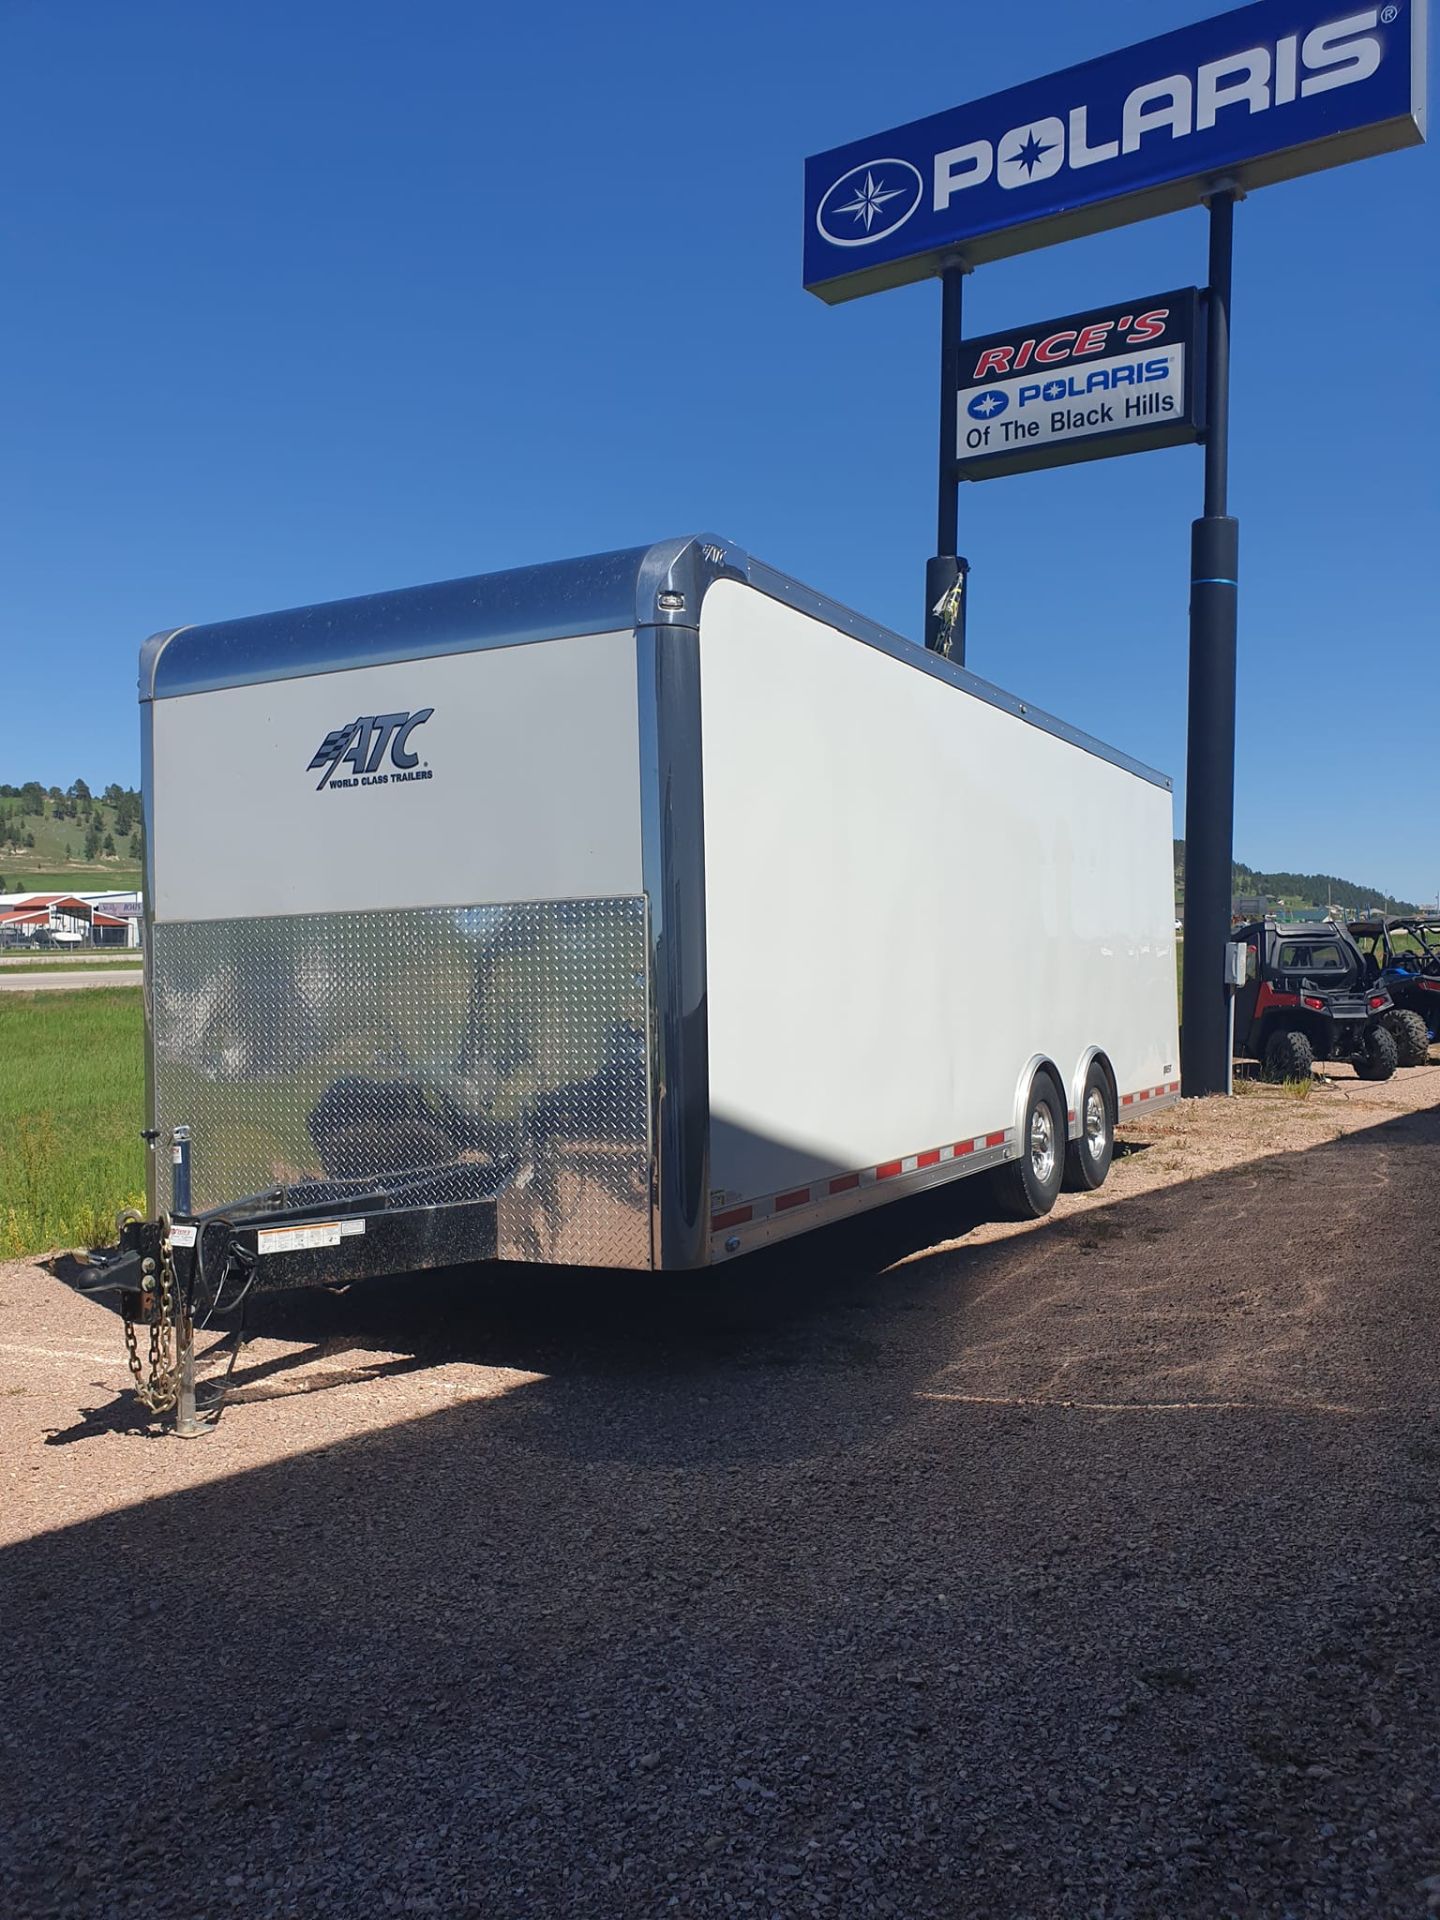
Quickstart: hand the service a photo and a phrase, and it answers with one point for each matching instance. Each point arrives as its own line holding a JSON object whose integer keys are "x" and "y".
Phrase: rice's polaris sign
{"x": 1262, "y": 94}
{"x": 1116, "y": 380}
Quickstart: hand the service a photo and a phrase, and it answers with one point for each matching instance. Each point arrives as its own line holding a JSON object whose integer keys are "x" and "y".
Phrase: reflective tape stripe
{"x": 767, "y": 1208}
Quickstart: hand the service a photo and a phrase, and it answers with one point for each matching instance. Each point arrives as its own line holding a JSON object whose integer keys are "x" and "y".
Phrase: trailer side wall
{"x": 911, "y": 896}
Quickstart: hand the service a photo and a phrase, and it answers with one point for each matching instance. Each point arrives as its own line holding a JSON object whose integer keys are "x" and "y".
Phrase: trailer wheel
{"x": 1087, "y": 1160}
{"x": 1410, "y": 1034}
{"x": 1027, "y": 1188}
{"x": 1288, "y": 1055}
{"x": 1379, "y": 1057}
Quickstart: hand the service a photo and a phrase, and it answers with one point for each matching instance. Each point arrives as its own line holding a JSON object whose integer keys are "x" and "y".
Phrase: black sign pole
{"x": 1210, "y": 756}
{"x": 946, "y": 585}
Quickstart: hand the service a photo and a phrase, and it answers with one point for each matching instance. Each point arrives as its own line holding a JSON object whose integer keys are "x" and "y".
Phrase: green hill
{"x": 1301, "y": 889}
{"x": 53, "y": 838}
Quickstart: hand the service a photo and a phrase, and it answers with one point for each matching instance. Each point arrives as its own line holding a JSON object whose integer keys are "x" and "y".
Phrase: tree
{"x": 79, "y": 790}
{"x": 67, "y": 849}
{"x": 92, "y": 843}
{"x": 109, "y": 846}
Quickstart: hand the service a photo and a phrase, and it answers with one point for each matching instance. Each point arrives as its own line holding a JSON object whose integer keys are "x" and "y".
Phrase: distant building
{"x": 69, "y": 920}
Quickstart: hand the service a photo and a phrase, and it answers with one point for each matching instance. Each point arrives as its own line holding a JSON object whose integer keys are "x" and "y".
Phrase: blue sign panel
{"x": 1273, "y": 90}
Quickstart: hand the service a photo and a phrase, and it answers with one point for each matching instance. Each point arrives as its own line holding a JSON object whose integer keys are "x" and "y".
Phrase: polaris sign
{"x": 1116, "y": 380}
{"x": 1268, "y": 92}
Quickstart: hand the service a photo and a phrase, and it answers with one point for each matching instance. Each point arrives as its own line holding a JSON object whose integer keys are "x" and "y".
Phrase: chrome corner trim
{"x": 675, "y": 576}
{"x": 150, "y": 658}
{"x": 779, "y": 586}
{"x": 147, "y": 931}
{"x": 672, "y": 842}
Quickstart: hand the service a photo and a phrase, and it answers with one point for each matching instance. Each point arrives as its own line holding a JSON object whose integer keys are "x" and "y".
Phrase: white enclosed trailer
{"x": 631, "y": 911}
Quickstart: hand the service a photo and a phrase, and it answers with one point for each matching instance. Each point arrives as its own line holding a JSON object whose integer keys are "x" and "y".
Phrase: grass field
{"x": 113, "y": 877}
{"x": 71, "y": 1107}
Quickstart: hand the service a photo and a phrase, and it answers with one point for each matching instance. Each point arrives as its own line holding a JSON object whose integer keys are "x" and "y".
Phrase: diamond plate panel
{"x": 438, "y": 1046}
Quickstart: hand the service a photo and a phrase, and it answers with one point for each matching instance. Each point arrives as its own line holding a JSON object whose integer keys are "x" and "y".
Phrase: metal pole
{"x": 1210, "y": 756}
{"x": 946, "y": 586}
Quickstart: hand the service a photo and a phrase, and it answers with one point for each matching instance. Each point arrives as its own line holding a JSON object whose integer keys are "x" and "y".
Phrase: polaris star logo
{"x": 869, "y": 201}
{"x": 363, "y": 744}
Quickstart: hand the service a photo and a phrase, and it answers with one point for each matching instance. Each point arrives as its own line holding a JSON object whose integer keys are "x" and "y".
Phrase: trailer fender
{"x": 1037, "y": 1063}
{"x": 1077, "y": 1087}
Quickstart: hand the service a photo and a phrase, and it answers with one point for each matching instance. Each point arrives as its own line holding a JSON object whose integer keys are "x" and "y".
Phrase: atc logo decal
{"x": 364, "y": 744}
{"x": 869, "y": 202}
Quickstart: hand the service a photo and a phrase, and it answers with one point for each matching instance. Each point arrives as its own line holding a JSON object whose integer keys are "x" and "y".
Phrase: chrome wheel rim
{"x": 1097, "y": 1129}
{"x": 1042, "y": 1144}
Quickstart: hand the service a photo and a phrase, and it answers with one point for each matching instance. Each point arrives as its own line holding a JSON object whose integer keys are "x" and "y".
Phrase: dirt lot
{"x": 933, "y": 1568}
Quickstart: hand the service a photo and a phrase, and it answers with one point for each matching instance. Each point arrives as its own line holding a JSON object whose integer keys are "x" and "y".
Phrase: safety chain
{"x": 162, "y": 1389}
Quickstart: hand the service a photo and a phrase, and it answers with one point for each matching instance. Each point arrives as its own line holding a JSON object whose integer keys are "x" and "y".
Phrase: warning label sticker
{"x": 305, "y": 1239}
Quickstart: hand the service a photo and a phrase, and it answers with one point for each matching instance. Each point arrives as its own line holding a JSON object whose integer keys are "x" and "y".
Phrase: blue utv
{"x": 1402, "y": 955}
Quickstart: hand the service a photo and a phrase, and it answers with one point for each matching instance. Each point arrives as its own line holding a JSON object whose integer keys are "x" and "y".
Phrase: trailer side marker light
{"x": 995, "y": 1139}
{"x": 798, "y": 1198}
{"x": 736, "y": 1217}
{"x": 930, "y": 1159}
{"x": 890, "y": 1170}
{"x": 963, "y": 1146}
{"x": 845, "y": 1183}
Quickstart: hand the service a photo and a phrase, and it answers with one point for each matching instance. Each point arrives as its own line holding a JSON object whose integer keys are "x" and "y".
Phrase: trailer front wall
{"x": 911, "y": 895}
{"x": 431, "y": 977}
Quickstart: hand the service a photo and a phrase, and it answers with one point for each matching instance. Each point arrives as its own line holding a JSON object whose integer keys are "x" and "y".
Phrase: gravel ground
{"x": 930, "y": 1568}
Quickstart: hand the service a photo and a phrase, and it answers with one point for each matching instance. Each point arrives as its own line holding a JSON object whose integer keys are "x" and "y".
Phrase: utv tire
{"x": 1087, "y": 1160}
{"x": 1410, "y": 1034}
{"x": 1288, "y": 1055}
{"x": 1380, "y": 1056}
{"x": 1026, "y": 1188}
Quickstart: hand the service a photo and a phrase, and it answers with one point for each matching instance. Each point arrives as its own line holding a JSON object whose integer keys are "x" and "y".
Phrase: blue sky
{"x": 306, "y": 300}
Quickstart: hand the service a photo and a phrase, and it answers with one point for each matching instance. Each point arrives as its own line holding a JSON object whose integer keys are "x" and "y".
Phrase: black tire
{"x": 1087, "y": 1160}
{"x": 1027, "y": 1188}
{"x": 1379, "y": 1057}
{"x": 1288, "y": 1055}
{"x": 1410, "y": 1034}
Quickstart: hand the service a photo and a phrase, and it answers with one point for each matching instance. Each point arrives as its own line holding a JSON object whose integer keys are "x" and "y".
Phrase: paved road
{"x": 1089, "y": 1574}
{"x": 48, "y": 982}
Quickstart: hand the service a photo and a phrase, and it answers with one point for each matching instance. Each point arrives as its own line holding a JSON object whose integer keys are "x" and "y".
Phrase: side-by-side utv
{"x": 1306, "y": 997}
{"x": 1402, "y": 953}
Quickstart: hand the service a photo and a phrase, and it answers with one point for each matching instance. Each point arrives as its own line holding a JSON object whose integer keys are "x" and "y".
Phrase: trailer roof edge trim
{"x": 659, "y": 585}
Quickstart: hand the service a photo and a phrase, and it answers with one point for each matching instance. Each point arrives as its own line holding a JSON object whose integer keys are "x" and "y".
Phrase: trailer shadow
{"x": 761, "y": 1311}
{"x": 870, "y": 1550}
{"x": 857, "y": 1305}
